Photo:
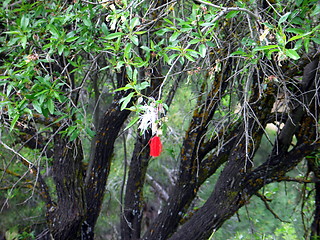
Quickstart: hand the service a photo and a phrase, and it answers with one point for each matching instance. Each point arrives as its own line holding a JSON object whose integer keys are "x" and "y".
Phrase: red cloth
{"x": 155, "y": 146}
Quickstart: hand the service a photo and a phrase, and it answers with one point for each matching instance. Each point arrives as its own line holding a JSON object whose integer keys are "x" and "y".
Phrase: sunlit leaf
{"x": 231, "y": 14}
{"x": 126, "y": 100}
{"x": 202, "y": 50}
{"x": 284, "y": 18}
{"x": 14, "y": 121}
{"x": 261, "y": 48}
{"x": 50, "y": 105}
{"x": 134, "y": 39}
{"x": 291, "y": 53}
{"x": 132, "y": 122}
{"x": 24, "y": 22}
{"x": 114, "y": 35}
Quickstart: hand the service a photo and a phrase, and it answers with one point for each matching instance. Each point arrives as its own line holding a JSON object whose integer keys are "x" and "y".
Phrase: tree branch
{"x": 265, "y": 201}
{"x": 228, "y": 9}
{"x": 41, "y": 184}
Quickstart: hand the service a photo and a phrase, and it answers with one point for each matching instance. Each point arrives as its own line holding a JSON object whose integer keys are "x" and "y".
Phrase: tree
{"x": 249, "y": 65}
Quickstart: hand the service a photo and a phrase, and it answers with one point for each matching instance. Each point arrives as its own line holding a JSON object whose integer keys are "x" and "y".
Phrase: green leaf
{"x": 24, "y": 41}
{"x": 60, "y": 49}
{"x": 53, "y": 30}
{"x": 295, "y": 30}
{"x": 135, "y": 75}
{"x": 140, "y": 32}
{"x": 71, "y": 39}
{"x": 127, "y": 87}
{"x": 316, "y": 40}
{"x": 262, "y": 48}
{"x": 142, "y": 86}
{"x": 299, "y": 36}
{"x": 22, "y": 104}
{"x": 168, "y": 21}
{"x": 120, "y": 64}
{"x": 187, "y": 56}
{"x": 174, "y": 36}
{"x": 306, "y": 44}
{"x": 284, "y": 18}
{"x": 202, "y": 50}
{"x": 239, "y": 52}
{"x": 129, "y": 71}
{"x": 41, "y": 93}
{"x": 194, "y": 41}
{"x": 114, "y": 35}
{"x": 192, "y": 52}
{"x": 45, "y": 112}
{"x": 291, "y": 53}
{"x": 14, "y": 120}
{"x": 232, "y": 14}
{"x": 104, "y": 29}
{"x": 134, "y": 39}
{"x": 74, "y": 134}
{"x": 24, "y": 22}
{"x": 50, "y": 105}
{"x": 269, "y": 53}
{"x": 87, "y": 22}
{"x": 57, "y": 96}
{"x": 207, "y": 24}
{"x": 162, "y": 31}
{"x": 316, "y": 11}
{"x": 127, "y": 51}
{"x": 145, "y": 48}
{"x": 126, "y": 100}
{"x": 12, "y": 32}
{"x": 90, "y": 132}
{"x": 37, "y": 107}
{"x": 132, "y": 122}
{"x": 134, "y": 22}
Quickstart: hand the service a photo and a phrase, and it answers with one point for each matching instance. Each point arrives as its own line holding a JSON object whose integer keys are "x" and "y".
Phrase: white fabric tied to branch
{"x": 148, "y": 119}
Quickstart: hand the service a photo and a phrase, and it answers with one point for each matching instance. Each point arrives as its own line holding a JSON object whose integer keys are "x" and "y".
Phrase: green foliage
{"x": 274, "y": 40}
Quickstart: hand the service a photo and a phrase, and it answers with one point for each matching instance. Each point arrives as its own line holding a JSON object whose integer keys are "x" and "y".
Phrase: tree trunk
{"x": 237, "y": 183}
{"x": 99, "y": 167}
{"x": 315, "y": 227}
{"x": 133, "y": 202}
{"x": 65, "y": 219}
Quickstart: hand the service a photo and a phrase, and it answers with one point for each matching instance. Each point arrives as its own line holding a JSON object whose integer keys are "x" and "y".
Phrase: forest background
{"x": 230, "y": 87}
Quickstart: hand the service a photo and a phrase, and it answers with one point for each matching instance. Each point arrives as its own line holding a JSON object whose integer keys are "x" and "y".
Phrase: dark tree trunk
{"x": 99, "y": 167}
{"x": 65, "y": 219}
{"x": 131, "y": 217}
{"x": 187, "y": 184}
{"x": 237, "y": 183}
{"x": 133, "y": 202}
{"x": 315, "y": 227}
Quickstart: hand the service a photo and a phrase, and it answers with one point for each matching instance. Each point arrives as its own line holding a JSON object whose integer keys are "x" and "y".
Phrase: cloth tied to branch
{"x": 155, "y": 146}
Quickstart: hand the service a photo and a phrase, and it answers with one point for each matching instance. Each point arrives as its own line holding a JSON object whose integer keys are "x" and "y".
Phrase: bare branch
{"x": 228, "y": 9}
{"x": 157, "y": 187}
{"x": 97, "y": 3}
{"x": 40, "y": 184}
{"x": 265, "y": 201}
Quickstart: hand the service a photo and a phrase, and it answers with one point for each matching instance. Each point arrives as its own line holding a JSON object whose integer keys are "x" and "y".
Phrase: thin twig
{"x": 44, "y": 191}
{"x": 229, "y": 9}
{"x": 97, "y": 3}
{"x": 265, "y": 201}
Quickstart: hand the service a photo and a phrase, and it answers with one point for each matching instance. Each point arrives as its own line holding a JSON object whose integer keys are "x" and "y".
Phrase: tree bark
{"x": 315, "y": 226}
{"x": 187, "y": 184}
{"x": 99, "y": 167}
{"x": 65, "y": 219}
{"x": 237, "y": 183}
{"x": 133, "y": 202}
